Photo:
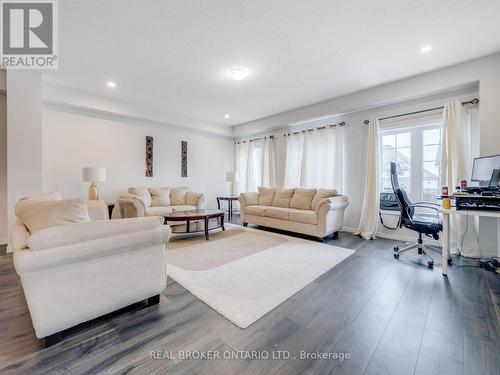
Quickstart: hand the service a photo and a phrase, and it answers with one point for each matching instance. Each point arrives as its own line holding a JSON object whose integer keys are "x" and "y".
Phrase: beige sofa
{"x": 76, "y": 265}
{"x": 314, "y": 212}
{"x": 143, "y": 201}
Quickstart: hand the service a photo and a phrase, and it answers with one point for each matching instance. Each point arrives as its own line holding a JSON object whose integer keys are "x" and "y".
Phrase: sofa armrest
{"x": 19, "y": 235}
{"x": 27, "y": 260}
{"x": 75, "y": 233}
{"x": 195, "y": 199}
{"x": 132, "y": 206}
{"x": 338, "y": 202}
{"x": 98, "y": 210}
{"x": 249, "y": 199}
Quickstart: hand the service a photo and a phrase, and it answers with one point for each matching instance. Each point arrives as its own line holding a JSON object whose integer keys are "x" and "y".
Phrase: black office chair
{"x": 430, "y": 226}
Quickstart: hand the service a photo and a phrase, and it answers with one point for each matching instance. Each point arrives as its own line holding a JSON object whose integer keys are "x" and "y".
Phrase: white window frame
{"x": 416, "y": 153}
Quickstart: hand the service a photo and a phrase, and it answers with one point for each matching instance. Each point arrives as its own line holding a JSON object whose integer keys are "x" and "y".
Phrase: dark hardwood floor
{"x": 391, "y": 317}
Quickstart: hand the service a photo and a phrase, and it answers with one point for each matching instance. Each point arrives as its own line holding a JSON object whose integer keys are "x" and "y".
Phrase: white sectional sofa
{"x": 76, "y": 265}
{"x": 314, "y": 212}
{"x": 143, "y": 201}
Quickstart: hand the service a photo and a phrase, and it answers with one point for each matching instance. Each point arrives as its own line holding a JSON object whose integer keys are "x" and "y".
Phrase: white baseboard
{"x": 397, "y": 237}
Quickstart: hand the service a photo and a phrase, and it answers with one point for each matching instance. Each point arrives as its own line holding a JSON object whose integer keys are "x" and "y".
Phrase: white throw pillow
{"x": 160, "y": 197}
{"x": 302, "y": 199}
{"x": 40, "y": 214}
{"x": 178, "y": 195}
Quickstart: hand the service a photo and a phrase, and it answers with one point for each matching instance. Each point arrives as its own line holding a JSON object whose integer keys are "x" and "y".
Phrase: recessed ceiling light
{"x": 426, "y": 48}
{"x": 238, "y": 73}
{"x": 111, "y": 84}
{"x": 226, "y": 116}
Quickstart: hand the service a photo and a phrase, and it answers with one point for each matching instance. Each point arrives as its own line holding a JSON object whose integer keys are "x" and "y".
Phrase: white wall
{"x": 390, "y": 99}
{"x": 24, "y": 136}
{"x": 75, "y": 140}
{"x": 3, "y": 160}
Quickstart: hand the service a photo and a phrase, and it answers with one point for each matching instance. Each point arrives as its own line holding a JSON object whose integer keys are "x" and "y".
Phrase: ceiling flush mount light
{"x": 426, "y": 49}
{"x": 226, "y": 116}
{"x": 238, "y": 73}
{"x": 111, "y": 84}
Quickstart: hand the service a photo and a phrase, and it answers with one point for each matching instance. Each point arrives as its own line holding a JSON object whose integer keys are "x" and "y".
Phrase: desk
{"x": 446, "y": 228}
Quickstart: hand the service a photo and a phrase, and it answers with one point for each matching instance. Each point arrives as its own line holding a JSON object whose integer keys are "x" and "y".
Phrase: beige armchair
{"x": 143, "y": 201}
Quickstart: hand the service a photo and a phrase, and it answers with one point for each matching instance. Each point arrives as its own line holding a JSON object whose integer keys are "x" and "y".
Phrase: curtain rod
{"x": 310, "y": 130}
{"x": 473, "y": 101}
{"x": 252, "y": 140}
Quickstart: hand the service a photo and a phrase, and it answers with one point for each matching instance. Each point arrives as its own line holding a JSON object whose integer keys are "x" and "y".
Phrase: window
{"x": 417, "y": 151}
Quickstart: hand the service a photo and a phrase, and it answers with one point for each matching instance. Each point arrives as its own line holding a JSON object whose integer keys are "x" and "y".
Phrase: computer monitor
{"x": 483, "y": 167}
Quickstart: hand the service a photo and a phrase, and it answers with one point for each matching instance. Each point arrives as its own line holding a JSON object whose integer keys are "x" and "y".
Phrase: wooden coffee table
{"x": 196, "y": 221}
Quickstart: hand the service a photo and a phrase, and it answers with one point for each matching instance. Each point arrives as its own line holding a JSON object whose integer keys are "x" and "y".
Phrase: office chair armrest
{"x": 417, "y": 205}
{"x": 428, "y": 203}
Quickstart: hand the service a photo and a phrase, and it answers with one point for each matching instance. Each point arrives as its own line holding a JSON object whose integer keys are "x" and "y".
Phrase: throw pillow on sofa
{"x": 282, "y": 198}
{"x": 302, "y": 199}
{"x": 40, "y": 214}
{"x": 178, "y": 196}
{"x": 160, "y": 197}
{"x": 266, "y": 196}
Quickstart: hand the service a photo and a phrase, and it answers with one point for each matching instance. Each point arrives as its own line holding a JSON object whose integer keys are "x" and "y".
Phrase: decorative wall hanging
{"x": 184, "y": 159}
{"x": 149, "y": 156}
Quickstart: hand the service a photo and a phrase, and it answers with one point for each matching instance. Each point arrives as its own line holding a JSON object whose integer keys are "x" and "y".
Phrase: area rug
{"x": 244, "y": 273}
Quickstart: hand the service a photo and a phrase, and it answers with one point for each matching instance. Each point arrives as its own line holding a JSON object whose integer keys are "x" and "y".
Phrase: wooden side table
{"x": 229, "y": 199}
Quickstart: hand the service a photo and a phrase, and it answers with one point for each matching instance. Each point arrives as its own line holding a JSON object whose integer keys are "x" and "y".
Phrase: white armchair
{"x": 79, "y": 271}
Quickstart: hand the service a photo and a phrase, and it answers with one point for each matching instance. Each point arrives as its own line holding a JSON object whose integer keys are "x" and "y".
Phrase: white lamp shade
{"x": 232, "y": 176}
{"x": 94, "y": 174}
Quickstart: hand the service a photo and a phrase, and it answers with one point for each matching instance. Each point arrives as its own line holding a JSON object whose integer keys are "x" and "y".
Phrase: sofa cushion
{"x": 302, "y": 199}
{"x": 182, "y": 208}
{"x": 192, "y": 198}
{"x": 178, "y": 195}
{"x": 255, "y": 210}
{"x": 303, "y": 216}
{"x": 277, "y": 212}
{"x": 266, "y": 196}
{"x": 282, "y": 198}
{"x": 40, "y": 214}
{"x": 320, "y": 194}
{"x": 160, "y": 197}
{"x": 158, "y": 211}
{"x": 142, "y": 192}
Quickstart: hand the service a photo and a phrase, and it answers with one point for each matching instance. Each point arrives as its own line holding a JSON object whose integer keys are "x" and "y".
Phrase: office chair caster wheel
{"x": 396, "y": 248}
{"x": 450, "y": 261}
{"x": 396, "y": 256}
{"x": 430, "y": 264}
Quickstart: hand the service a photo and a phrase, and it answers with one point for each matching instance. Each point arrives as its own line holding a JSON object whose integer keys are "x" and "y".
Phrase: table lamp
{"x": 93, "y": 175}
{"x": 232, "y": 178}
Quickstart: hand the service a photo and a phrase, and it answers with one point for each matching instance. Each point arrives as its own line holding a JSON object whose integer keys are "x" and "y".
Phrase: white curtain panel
{"x": 456, "y": 155}
{"x": 255, "y": 164}
{"x": 314, "y": 159}
{"x": 369, "y": 215}
{"x": 268, "y": 159}
{"x": 241, "y": 157}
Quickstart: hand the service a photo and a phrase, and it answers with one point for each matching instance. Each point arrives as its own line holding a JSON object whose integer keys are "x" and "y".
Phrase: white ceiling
{"x": 171, "y": 55}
